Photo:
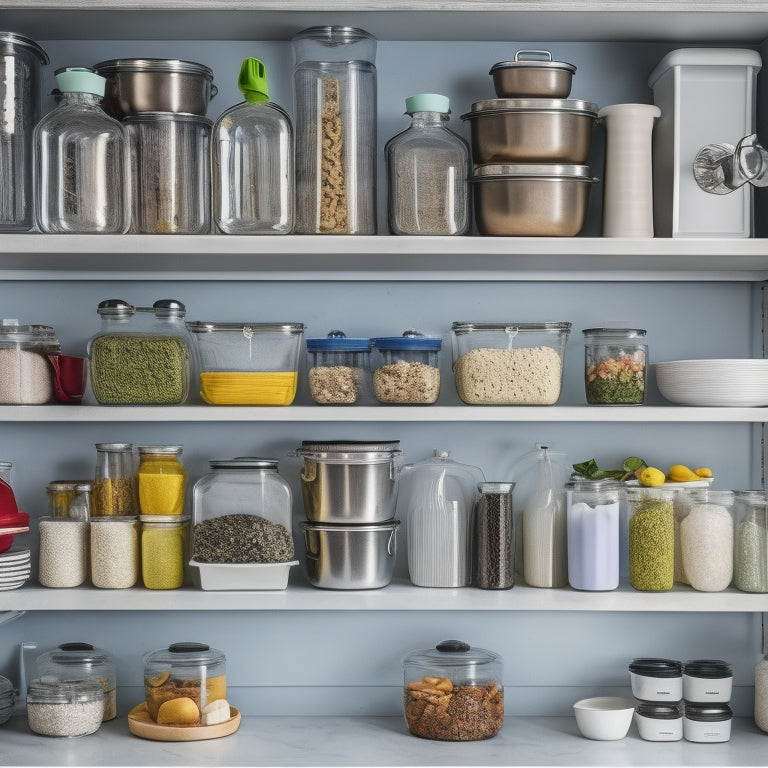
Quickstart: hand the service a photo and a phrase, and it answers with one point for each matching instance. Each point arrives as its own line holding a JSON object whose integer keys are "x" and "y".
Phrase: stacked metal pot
{"x": 529, "y": 147}
{"x": 349, "y": 490}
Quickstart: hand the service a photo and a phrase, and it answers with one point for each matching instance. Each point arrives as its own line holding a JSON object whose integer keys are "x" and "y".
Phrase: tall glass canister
{"x": 335, "y": 95}
{"x": 493, "y": 541}
{"x": 114, "y": 485}
{"x": 651, "y": 538}
{"x": 750, "y": 552}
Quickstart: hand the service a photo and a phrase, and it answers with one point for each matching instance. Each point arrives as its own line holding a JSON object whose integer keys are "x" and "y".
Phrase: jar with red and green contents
{"x": 615, "y": 366}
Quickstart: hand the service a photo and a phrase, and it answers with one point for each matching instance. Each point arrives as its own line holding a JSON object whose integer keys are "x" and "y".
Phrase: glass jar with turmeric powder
{"x": 162, "y": 480}
{"x": 164, "y": 550}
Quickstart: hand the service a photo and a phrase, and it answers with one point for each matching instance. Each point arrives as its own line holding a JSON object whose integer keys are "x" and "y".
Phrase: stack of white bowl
{"x": 15, "y": 568}
{"x": 725, "y": 382}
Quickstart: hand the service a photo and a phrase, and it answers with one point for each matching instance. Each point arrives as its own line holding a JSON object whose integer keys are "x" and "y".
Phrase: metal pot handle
{"x": 392, "y": 543}
{"x": 214, "y": 90}
{"x": 536, "y": 53}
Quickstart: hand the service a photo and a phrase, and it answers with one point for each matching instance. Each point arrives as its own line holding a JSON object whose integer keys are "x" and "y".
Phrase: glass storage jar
{"x": 750, "y": 556}
{"x": 81, "y": 661}
{"x": 493, "y": 538}
{"x": 248, "y": 363}
{"x": 183, "y": 671}
{"x": 761, "y": 694}
{"x": 161, "y": 480}
{"x": 253, "y": 161}
{"x": 339, "y": 370}
{"x": 140, "y": 356}
{"x": 20, "y": 102}
{"x": 427, "y": 171}
{"x": 64, "y": 707}
{"x": 509, "y": 363}
{"x": 706, "y": 539}
{"x": 27, "y": 373}
{"x": 465, "y": 687}
{"x": 62, "y": 495}
{"x": 81, "y": 161}
{"x": 63, "y": 559}
{"x": 592, "y": 515}
{"x": 651, "y": 538}
{"x": 437, "y": 496}
{"x": 114, "y": 552}
{"x": 406, "y": 369}
{"x": 615, "y": 362}
{"x": 170, "y": 173}
{"x": 335, "y": 109}
{"x": 114, "y": 484}
{"x": 164, "y": 550}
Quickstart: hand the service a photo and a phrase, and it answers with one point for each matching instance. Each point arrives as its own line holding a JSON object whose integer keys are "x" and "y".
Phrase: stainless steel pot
{"x": 349, "y": 482}
{"x": 532, "y": 74}
{"x": 531, "y": 200}
{"x": 350, "y": 556}
{"x": 155, "y": 85}
{"x": 531, "y": 130}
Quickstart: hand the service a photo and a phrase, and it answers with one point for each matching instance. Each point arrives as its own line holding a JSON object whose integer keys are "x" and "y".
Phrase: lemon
{"x": 154, "y": 681}
{"x": 216, "y": 688}
{"x": 650, "y": 476}
{"x": 703, "y": 472}
{"x": 181, "y": 711}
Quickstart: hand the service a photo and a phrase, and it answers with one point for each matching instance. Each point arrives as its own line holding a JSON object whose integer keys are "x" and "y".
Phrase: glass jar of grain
{"x": 164, "y": 548}
{"x": 114, "y": 484}
{"x": 114, "y": 552}
{"x": 162, "y": 480}
{"x": 651, "y": 538}
{"x": 26, "y": 375}
{"x": 750, "y": 552}
{"x": 339, "y": 370}
{"x": 406, "y": 369}
{"x": 615, "y": 365}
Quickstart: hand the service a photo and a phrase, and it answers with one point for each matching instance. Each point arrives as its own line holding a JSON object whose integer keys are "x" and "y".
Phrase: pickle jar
{"x": 114, "y": 552}
{"x": 335, "y": 109}
{"x": 27, "y": 373}
{"x": 183, "y": 671}
{"x": 651, "y": 537}
{"x": 750, "y": 555}
{"x": 161, "y": 480}
{"x": 164, "y": 550}
{"x": 339, "y": 370}
{"x": 465, "y": 687}
{"x": 114, "y": 484}
{"x": 615, "y": 366}
{"x": 81, "y": 661}
{"x": 406, "y": 369}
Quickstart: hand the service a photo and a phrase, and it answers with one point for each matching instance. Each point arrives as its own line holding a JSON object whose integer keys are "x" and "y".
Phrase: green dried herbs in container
{"x": 139, "y": 370}
{"x": 651, "y": 539}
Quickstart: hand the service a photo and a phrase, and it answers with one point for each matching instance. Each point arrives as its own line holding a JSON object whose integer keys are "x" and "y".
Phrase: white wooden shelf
{"x": 380, "y": 257}
{"x": 398, "y": 596}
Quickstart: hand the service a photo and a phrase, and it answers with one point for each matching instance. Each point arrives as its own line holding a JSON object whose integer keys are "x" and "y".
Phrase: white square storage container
{"x": 706, "y": 96}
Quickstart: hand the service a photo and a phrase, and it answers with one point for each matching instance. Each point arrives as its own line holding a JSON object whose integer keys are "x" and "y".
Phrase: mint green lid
{"x": 80, "y": 80}
{"x": 252, "y": 81}
{"x": 427, "y": 102}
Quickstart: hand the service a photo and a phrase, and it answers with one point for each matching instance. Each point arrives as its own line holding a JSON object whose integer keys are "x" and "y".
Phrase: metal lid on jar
{"x": 532, "y": 171}
{"x": 115, "y": 307}
{"x": 76, "y": 654}
{"x": 348, "y": 451}
{"x": 410, "y": 340}
{"x": 502, "y": 106}
{"x": 711, "y": 669}
{"x": 244, "y": 462}
{"x": 13, "y": 333}
{"x": 170, "y": 66}
{"x": 463, "y": 326}
{"x": 338, "y": 341}
{"x": 656, "y": 667}
{"x": 118, "y": 447}
{"x": 51, "y": 690}
{"x": 451, "y": 653}
{"x": 533, "y": 63}
{"x": 618, "y": 333}
{"x": 186, "y": 654}
{"x": 11, "y": 43}
{"x": 160, "y": 450}
{"x": 169, "y": 307}
{"x": 198, "y": 326}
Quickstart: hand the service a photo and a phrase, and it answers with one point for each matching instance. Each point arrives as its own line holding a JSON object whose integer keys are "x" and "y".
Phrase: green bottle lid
{"x": 427, "y": 102}
{"x": 253, "y": 81}
{"x": 80, "y": 80}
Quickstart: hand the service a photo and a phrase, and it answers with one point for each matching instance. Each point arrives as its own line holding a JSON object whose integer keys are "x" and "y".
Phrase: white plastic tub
{"x": 239, "y": 576}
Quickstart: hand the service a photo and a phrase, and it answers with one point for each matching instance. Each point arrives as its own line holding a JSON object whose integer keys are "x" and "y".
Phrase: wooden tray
{"x": 140, "y": 724}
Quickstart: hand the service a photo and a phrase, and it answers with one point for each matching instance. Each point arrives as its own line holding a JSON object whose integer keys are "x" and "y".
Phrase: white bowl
{"x": 604, "y": 718}
{"x": 729, "y": 383}
{"x": 238, "y": 576}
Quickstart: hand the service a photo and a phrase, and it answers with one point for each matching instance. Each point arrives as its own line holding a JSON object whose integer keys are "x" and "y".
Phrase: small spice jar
{"x": 706, "y": 539}
{"x": 659, "y": 722}
{"x": 114, "y": 552}
{"x": 183, "y": 671}
{"x": 707, "y": 680}
{"x": 339, "y": 369}
{"x": 81, "y": 661}
{"x": 592, "y": 519}
{"x": 164, "y": 548}
{"x": 63, "y": 560}
{"x": 651, "y": 538}
{"x": 656, "y": 680}
{"x": 493, "y": 540}
{"x": 453, "y": 692}
{"x": 750, "y": 553}
{"x": 161, "y": 480}
{"x": 62, "y": 495}
{"x": 26, "y": 375}
{"x": 406, "y": 369}
{"x": 710, "y": 723}
{"x": 615, "y": 365}
{"x": 64, "y": 707}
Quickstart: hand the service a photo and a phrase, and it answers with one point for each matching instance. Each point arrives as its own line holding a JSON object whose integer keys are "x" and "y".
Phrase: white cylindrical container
{"x": 659, "y": 722}
{"x": 656, "y": 680}
{"x": 707, "y": 722}
{"x": 707, "y": 680}
{"x": 628, "y": 190}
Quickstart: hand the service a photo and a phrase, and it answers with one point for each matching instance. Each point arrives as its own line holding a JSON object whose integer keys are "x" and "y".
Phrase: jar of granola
{"x": 614, "y": 365}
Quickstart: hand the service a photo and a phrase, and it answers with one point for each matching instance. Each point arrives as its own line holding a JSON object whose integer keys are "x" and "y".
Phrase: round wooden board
{"x": 140, "y": 725}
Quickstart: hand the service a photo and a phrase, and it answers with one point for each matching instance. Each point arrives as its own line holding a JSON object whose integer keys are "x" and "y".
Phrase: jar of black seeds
{"x": 493, "y": 541}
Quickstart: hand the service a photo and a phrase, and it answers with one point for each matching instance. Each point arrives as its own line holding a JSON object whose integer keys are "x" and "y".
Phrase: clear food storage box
{"x": 406, "y": 369}
{"x": 247, "y": 363}
{"x": 508, "y": 363}
{"x": 339, "y": 369}
{"x": 24, "y": 359}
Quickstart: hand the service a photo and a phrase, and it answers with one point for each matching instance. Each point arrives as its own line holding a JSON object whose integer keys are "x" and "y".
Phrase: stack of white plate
{"x": 15, "y": 568}
{"x": 7, "y": 699}
{"x": 736, "y": 382}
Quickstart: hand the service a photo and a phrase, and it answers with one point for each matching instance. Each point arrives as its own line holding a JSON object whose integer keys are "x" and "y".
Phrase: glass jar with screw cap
{"x": 615, "y": 366}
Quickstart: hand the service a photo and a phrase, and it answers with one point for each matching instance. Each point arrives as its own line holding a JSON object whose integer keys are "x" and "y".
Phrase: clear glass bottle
{"x": 615, "y": 365}
{"x": 161, "y": 480}
{"x": 750, "y": 554}
{"x": 427, "y": 172}
{"x": 253, "y": 161}
{"x": 335, "y": 95}
{"x": 114, "y": 484}
{"x": 651, "y": 537}
{"x": 493, "y": 540}
{"x": 81, "y": 161}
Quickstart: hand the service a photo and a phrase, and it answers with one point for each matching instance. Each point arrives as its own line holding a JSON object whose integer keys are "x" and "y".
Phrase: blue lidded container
{"x": 406, "y": 369}
{"x": 339, "y": 370}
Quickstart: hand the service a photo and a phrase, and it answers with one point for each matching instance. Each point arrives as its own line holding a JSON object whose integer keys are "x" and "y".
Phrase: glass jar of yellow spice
{"x": 164, "y": 550}
{"x": 162, "y": 480}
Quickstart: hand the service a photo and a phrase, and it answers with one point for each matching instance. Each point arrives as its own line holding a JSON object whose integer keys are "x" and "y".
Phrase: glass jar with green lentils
{"x": 750, "y": 545}
{"x": 651, "y": 538}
